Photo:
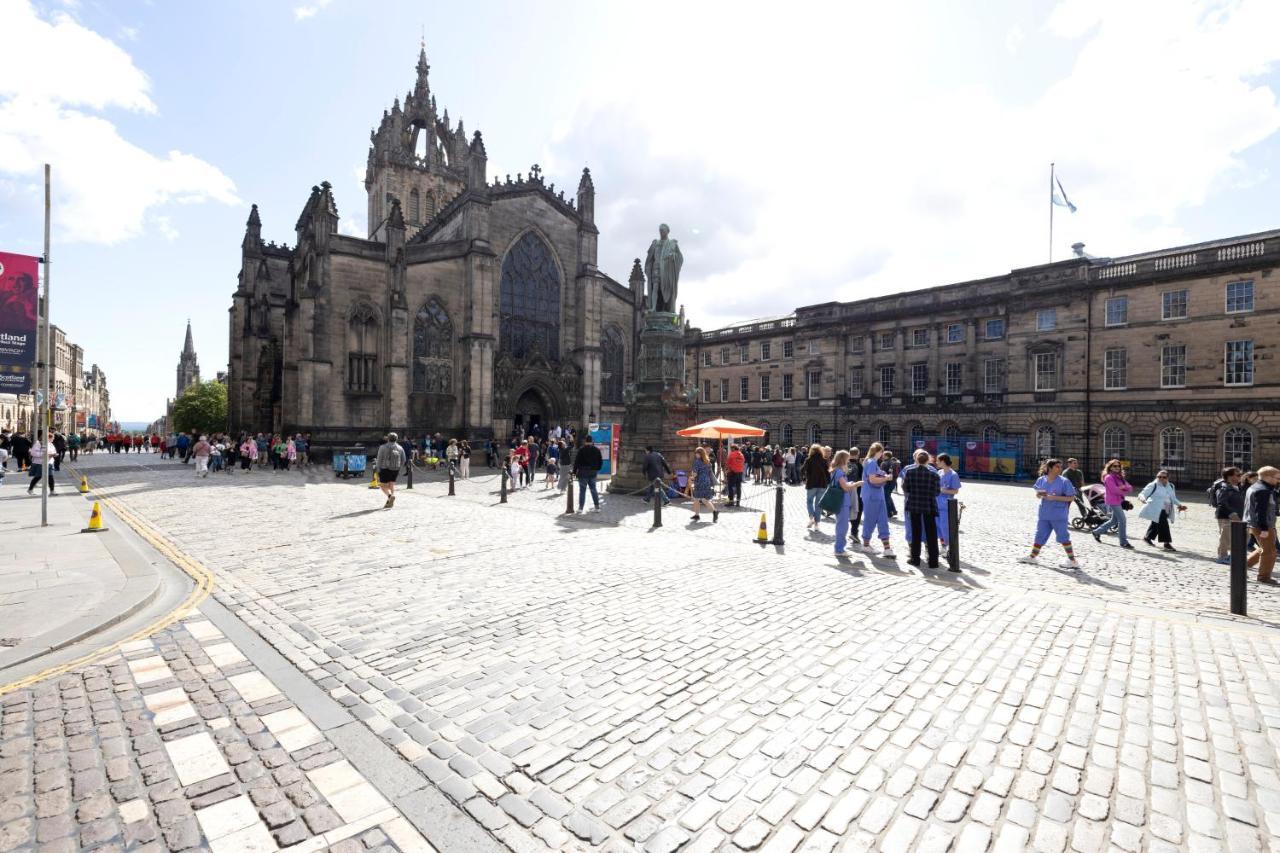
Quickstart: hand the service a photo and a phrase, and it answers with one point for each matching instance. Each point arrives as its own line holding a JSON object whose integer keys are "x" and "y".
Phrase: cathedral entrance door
{"x": 531, "y": 413}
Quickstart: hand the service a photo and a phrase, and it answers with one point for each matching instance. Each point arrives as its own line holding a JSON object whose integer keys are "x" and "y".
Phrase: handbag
{"x": 832, "y": 499}
{"x": 1126, "y": 505}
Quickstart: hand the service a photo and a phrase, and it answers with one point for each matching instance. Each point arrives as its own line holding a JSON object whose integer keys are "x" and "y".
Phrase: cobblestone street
{"x": 570, "y": 681}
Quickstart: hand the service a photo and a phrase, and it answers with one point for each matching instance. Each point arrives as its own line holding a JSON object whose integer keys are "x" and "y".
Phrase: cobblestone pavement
{"x": 178, "y": 743}
{"x": 996, "y": 529}
{"x": 575, "y": 681}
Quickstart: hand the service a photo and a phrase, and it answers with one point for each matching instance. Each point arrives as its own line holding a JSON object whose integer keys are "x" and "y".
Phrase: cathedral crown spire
{"x": 189, "y": 347}
{"x": 424, "y": 68}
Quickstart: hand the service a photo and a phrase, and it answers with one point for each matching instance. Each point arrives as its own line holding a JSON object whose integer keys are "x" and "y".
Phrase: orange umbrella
{"x": 720, "y": 428}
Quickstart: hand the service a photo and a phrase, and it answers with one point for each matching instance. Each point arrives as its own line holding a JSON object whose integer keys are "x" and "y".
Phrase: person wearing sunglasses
{"x": 1161, "y": 501}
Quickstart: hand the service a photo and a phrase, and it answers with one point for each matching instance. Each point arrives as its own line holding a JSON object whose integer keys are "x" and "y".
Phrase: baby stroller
{"x": 1091, "y": 501}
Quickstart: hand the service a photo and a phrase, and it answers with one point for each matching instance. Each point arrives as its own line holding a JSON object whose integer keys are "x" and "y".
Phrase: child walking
{"x": 1056, "y": 495}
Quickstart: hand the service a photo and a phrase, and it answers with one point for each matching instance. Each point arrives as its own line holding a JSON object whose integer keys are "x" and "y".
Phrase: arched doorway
{"x": 534, "y": 412}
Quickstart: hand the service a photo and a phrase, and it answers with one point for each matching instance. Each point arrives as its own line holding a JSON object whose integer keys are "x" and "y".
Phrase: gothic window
{"x": 432, "y": 349}
{"x": 362, "y": 350}
{"x": 415, "y": 207}
{"x": 613, "y": 361}
{"x": 530, "y": 300}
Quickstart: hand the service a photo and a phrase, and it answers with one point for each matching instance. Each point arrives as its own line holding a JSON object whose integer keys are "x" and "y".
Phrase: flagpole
{"x": 1050, "y": 213}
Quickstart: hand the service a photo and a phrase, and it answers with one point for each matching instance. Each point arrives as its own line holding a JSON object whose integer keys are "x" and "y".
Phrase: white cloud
{"x": 54, "y": 75}
{"x": 879, "y": 156}
{"x": 302, "y": 13}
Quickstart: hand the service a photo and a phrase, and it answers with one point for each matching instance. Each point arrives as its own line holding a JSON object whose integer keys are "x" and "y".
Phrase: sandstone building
{"x": 1162, "y": 359}
{"x": 472, "y": 307}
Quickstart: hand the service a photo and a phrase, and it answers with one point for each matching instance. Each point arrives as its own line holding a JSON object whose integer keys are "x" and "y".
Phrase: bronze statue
{"x": 662, "y": 269}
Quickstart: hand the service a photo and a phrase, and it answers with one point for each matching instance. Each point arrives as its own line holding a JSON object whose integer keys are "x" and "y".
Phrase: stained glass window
{"x": 362, "y": 350}
{"x": 613, "y": 365}
{"x": 432, "y": 349}
{"x": 529, "y": 316}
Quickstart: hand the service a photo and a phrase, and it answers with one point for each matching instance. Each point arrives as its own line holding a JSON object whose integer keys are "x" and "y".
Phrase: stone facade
{"x": 1161, "y": 359}
{"x": 82, "y": 389}
{"x": 473, "y": 307}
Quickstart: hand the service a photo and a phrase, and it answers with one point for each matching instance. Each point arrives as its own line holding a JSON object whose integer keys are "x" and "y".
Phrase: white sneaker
{"x": 1071, "y": 564}
{"x": 888, "y": 552}
{"x": 1029, "y": 560}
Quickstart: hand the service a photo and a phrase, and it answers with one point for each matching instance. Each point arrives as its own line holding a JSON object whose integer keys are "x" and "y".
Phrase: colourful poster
{"x": 18, "y": 297}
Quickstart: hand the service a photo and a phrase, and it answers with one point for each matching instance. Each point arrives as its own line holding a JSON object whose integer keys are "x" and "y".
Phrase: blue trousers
{"x": 875, "y": 515}
{"x": 584, "y": 483}
{"x": 944, "y": 526}
{"x": 1116, "y": 522}
{"x": 842, "y": 523}
{"x": 1044, "y": 528}
{"x": 811, "y": 498}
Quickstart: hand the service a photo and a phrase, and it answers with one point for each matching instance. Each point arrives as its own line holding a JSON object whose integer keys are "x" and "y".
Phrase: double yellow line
{"x": 204, "y": 585}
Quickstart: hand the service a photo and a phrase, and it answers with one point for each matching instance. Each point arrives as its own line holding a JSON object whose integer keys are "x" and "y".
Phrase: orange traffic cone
{"x": 762, "y": 535}
{"x": 84, "y": 485}
{"x": 95, "y": 521}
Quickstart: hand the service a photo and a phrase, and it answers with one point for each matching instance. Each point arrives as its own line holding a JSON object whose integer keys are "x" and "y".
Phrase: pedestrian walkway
{"x": 58, "y": 585}
{"x": 569, "y": 681}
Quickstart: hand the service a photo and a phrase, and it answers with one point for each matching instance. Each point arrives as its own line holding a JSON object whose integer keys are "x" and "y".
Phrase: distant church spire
{"x": 188, "y": 365}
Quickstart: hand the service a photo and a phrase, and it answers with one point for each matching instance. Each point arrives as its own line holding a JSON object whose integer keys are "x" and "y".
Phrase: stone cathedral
{"x": 473, "y": 307}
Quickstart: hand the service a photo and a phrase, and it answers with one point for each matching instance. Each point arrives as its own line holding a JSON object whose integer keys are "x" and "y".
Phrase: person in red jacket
{"x": 734, "y": 465}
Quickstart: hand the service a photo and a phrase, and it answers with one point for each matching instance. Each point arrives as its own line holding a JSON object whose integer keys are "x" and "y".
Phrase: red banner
{"x": 18, "y": 298}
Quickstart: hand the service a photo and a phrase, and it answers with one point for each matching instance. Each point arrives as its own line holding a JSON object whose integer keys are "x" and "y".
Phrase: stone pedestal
{"x": 658, "y": 404}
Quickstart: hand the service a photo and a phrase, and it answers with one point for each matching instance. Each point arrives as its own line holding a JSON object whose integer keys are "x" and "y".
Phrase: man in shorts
{"x": 389, "y": 462}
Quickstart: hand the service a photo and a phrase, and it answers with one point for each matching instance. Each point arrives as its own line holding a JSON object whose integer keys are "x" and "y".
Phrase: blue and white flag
{"x": 1059, "y": 197}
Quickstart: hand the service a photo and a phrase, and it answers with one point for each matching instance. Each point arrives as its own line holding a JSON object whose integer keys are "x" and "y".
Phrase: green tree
{"x": 201, "y": 408}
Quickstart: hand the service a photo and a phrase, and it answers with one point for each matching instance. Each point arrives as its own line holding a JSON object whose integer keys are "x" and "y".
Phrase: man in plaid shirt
{"x": 921, "y": 487}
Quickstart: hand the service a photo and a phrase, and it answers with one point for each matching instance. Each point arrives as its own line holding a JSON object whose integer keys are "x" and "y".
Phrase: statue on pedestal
{"x": 662, "y": 269}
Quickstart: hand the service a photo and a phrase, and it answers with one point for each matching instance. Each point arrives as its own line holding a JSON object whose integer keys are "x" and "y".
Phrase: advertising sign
{"x": 18, "y": 298}
{"x": 607, "y": 437}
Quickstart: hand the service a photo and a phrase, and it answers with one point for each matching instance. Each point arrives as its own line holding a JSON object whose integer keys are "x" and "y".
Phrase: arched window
{"x": 815, "y": 434}
{"x": 1173, "y": 448}
{"x": 612, "y": 367}
{"x": 851, "y": 436}
{"x": 1046, "y": 441}
{"x": 788, "y": 434}
{"x": 884, "y": 435}
{"x": 432, "y": 349}
{"x": 362, "y": 350}
{"x": 529, "y": 313}
{"x": 415, "y": 207}
{"x": 1237, "y": 448}
{"x": 990, "y": 433}
{"x": 764, "y": 425}
{"x": 915, "y": 436}
{"x": 951, "y": 432}
{"x": 1115, "y": 443}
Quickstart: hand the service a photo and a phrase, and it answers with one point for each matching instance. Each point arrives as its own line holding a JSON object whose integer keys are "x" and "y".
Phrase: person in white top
{"x": 41, "y": 450}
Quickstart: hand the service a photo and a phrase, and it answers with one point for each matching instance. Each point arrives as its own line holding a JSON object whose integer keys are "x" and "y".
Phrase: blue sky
{"x": 836, "y": 152}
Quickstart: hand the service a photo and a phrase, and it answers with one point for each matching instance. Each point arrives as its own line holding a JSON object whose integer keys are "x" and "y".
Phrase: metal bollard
{"x": 410, "y": 485}
{"x": 780, "y": 493}
{"x": 953, "y": 535}
{"x": 658, "y": 495}
{"x": 568, "y": 505}
{"x": 450, "y": 480}
{"x": 503, "y": 494}
{"x": 1239, "y": 568}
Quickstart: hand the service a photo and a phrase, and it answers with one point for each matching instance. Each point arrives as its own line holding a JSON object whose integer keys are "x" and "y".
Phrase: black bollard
{"x": 1239, "y": 568}
{"x": 568, "y": 505}
{"x": 657, "y": 502}
{"x": 410, "y": 485}
{"x": 953, "y": 535}
{"x": 777, "y": 516}
{"x": 503, "y": 494}
{"x": 451, "y": 479}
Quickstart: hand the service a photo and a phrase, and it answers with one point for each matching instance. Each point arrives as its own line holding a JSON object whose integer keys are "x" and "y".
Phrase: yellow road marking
{"x": 204, "y": 586}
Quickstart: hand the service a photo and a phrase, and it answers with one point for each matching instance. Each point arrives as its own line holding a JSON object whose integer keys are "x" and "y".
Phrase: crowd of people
{"x": 857, "y": 491}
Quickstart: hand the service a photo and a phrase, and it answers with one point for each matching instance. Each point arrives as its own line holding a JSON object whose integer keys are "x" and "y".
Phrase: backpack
{"x": 1214, "y": 490}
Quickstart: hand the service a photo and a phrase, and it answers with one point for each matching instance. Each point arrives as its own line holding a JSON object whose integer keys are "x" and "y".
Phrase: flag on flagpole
{"x": 1059, "y": 196}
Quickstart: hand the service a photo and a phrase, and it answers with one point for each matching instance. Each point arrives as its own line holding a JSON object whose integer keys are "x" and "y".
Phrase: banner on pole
{"x": 18, "y": 312}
